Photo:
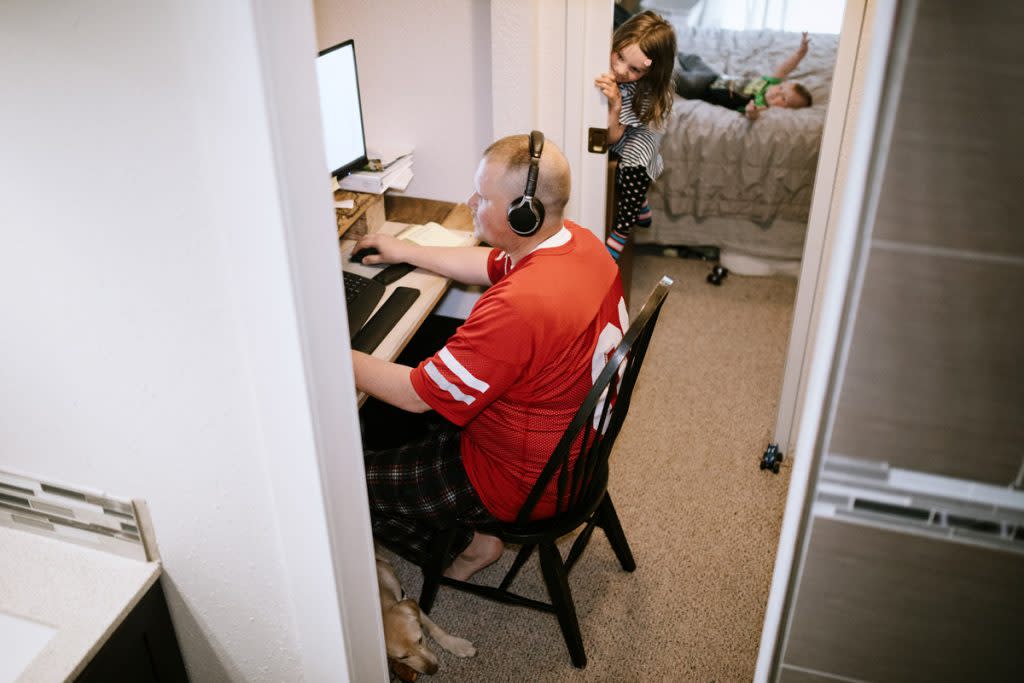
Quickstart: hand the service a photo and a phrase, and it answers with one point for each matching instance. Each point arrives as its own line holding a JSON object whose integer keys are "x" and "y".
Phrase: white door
{"x": 588, "y": 40}
{"x": 545, "y": 56}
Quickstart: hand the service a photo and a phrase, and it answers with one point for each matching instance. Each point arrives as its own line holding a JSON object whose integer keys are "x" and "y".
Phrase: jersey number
{"x": 607, "y": 342}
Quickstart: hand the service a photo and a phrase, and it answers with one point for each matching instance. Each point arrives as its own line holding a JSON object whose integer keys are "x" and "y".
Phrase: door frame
{"x": 859, "y": 193}
{"x": 840, "y": 120}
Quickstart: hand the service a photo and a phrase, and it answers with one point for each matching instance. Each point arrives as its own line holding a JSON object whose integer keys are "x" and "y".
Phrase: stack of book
{"x": 387, "y": 169}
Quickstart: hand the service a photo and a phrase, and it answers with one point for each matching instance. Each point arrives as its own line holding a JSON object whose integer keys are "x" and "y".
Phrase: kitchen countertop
{"x": 83, "y": 593}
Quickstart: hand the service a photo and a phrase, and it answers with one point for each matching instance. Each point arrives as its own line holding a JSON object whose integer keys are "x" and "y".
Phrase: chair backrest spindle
{"x": 583, "y": 483}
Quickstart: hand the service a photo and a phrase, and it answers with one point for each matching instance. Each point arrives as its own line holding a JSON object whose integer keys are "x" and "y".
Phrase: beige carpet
{"x": 702, "y": 519}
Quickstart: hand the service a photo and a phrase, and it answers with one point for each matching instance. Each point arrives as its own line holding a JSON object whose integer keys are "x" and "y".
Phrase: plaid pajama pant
{"x": 420, "y": 488}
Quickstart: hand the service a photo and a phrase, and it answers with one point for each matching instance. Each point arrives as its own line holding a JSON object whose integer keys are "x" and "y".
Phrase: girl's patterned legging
{"x": 631, "y": 184}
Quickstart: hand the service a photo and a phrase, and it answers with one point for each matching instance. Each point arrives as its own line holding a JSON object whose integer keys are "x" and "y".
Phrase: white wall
{"x": 425, "y": 79}
{"x": 156, "y": 336}
{"x": 528, "y": 63}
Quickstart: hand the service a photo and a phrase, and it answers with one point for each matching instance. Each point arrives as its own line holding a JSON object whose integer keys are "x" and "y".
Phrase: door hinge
{"x": 597, "y": 140}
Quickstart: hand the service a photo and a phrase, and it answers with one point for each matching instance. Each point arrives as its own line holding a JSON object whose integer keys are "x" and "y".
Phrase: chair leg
{"x": 609, "y": 521}
{"x": 433, "y": 567}
{"x": 557, "y": 581}
{"x": 521, "y": 557}
{"x": 579, "y": 545}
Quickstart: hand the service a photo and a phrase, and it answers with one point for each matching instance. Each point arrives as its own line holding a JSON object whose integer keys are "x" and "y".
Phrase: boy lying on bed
{"x": 695, "y": 80}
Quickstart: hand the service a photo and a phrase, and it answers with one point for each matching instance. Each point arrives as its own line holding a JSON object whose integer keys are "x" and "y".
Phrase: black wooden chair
{"x": 583, "y": 499}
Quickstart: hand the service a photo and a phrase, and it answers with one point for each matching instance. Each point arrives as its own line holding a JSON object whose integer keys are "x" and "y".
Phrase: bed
{"x": 743, "y": 187}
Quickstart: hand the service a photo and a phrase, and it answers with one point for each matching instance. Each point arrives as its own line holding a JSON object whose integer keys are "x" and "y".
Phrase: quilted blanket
{"x": 717, "y": 163}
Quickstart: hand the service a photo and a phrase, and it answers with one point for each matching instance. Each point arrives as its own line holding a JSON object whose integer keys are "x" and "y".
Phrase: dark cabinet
{"x": 144, "y": 647}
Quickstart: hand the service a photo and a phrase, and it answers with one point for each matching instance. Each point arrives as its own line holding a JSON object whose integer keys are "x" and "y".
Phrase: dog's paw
{"x": 460, "y": 647}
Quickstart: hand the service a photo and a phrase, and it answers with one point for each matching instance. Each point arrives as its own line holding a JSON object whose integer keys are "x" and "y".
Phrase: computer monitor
{"x": 340, "y": 109}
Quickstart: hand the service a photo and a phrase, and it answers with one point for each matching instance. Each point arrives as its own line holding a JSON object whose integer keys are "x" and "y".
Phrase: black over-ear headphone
{"x": 526, "y": 214}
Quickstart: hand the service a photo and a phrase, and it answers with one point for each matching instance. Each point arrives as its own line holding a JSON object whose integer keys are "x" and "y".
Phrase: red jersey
{"x": 515, "y": 373}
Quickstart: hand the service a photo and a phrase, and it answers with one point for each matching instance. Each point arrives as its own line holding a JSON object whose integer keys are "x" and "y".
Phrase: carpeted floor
{"x": 702, "y": 519}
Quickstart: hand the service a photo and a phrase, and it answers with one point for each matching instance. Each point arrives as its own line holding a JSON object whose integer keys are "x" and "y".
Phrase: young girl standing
{"x": 639, "y": 91}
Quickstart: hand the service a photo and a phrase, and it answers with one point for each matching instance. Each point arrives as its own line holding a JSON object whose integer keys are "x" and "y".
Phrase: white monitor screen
{"x": 344, "y": 139}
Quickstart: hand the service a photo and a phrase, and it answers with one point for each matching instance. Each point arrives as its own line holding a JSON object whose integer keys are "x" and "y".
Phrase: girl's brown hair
{"x": 657, "y": 39}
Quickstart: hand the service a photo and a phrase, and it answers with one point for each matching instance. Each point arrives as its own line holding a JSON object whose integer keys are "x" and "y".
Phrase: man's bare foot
{"x": 481, "y": 551}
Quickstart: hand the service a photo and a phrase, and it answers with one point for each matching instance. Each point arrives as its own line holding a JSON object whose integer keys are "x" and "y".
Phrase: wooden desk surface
{"x": 402, "y": 212}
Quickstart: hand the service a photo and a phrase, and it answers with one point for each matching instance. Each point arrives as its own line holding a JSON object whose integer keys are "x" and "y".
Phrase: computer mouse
{"x": 359, "y": 255}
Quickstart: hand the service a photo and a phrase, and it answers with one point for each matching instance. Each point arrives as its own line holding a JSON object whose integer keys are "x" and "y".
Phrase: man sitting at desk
{"x": 513, "y": 374}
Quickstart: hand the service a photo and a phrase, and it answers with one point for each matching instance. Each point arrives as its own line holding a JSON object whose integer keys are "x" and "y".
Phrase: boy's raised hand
{"x": 805, "y": 43}
{"x": 794, "y": 59}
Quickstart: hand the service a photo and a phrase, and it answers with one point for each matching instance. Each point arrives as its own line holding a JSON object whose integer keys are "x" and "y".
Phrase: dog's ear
{"x": 408, "y": 606}
{"x": 402, "y": 622}
{"x": 404, "y": 615}
{"x": 388, "y": 580}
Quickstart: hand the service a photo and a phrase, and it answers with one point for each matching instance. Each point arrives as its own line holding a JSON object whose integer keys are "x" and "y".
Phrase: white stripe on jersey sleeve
{"x": 461, "y": 372}
{"x": 445, "y": 385}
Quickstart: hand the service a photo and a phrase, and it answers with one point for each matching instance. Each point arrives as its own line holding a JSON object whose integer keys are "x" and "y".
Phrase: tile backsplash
{"x": 73, "y": 514}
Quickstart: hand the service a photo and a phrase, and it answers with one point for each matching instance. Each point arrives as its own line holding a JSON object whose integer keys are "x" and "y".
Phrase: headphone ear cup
{"x": 525, "y": 216}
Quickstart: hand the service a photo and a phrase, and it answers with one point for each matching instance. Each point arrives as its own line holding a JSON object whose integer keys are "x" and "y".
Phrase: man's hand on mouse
{"x": 388, "y": 248}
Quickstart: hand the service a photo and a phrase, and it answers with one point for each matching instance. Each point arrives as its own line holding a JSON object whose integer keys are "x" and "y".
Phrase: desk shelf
{"x": 400, "y": 209}
{"x": 366, "y": 214}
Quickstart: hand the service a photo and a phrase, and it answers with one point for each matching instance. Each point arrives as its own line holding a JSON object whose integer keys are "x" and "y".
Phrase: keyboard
{"x": 361, "y": 296}
{"x": 376, "y": 328}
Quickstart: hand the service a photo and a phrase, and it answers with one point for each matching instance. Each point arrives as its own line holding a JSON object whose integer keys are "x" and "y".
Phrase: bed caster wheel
{"x": 717, "y": 274}
{"x": 771, "y": 458}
